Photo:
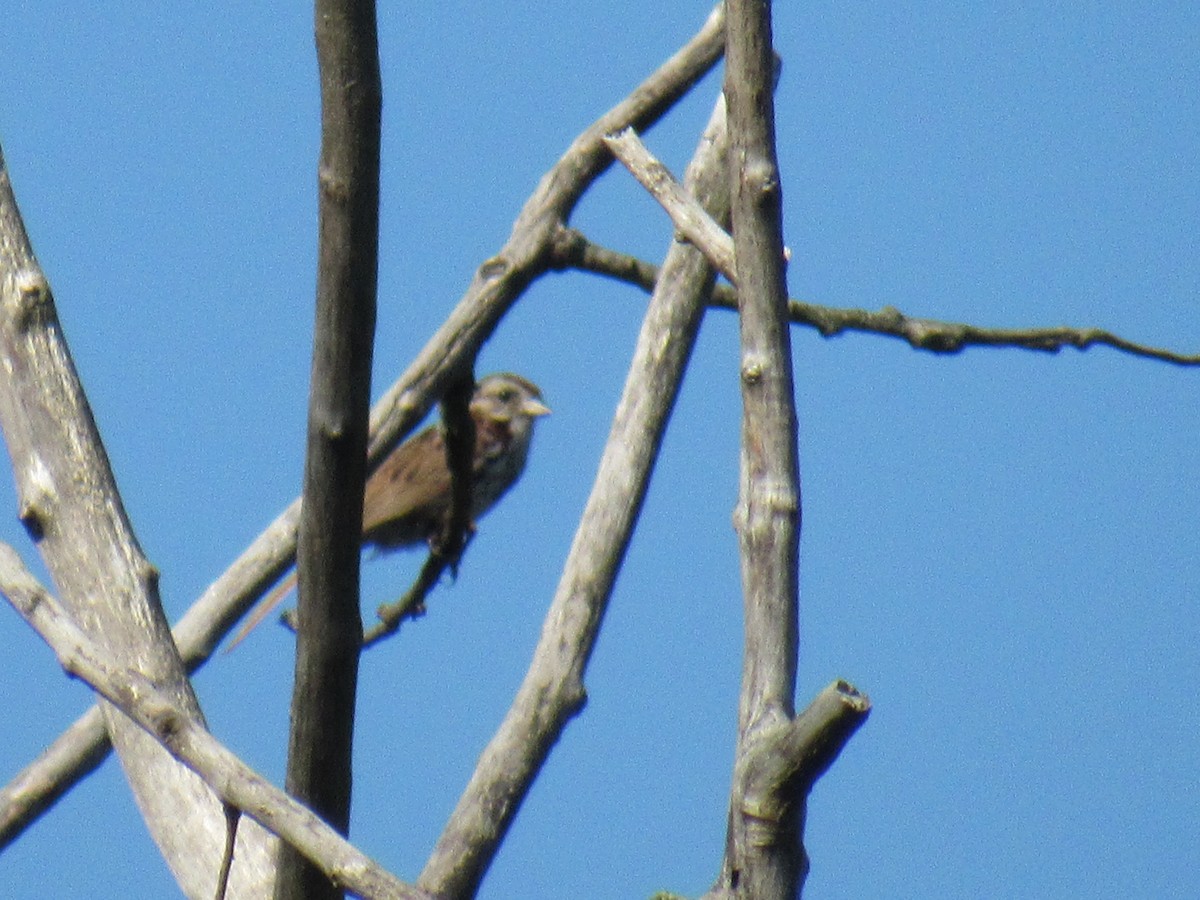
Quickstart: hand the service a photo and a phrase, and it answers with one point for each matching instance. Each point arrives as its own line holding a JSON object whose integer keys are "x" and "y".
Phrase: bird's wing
{"x": 408, "y": 494}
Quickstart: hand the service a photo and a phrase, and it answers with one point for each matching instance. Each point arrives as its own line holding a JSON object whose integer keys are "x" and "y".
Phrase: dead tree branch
{"x": 764, "y": 859}
{"x": 553, "y": 689}
{"x": 779, "y": 755}
{"x": 183, "y": 735}
{"x": 574, "y": 251}
{"x": 330, "y": 628}
{"x": 70, "y": 505}
{"x": 74, "y": 755}
{"x": 690, "y": 218}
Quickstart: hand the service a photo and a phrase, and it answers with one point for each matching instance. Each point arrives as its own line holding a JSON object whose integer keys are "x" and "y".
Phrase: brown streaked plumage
{"x": 407, "y": 499}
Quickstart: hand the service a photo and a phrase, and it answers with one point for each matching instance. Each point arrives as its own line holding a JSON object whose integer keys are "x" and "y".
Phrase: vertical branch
{"x": 764, "y": 859}
{"x": 330, "y": 629}
{"x": 769, "y": 497}
{"x": 779, "y": 755}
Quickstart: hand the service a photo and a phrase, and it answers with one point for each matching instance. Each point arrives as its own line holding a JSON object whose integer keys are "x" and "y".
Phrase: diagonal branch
{"x": 74, "y": 755}
{"x": 70, "y": 504}
{"x": 173, "y": 726}
{"x": 553, "y": 689}
{"x": 574, "y": 251}
{"x": 500, "y": 280}
{"x": 690, "y": 218}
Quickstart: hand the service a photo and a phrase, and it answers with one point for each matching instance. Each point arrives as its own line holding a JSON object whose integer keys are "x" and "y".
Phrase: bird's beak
{"x": 535, "y": 408}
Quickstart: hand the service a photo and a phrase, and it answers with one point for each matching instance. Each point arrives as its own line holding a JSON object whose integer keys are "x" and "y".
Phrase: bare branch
{"x": 952, "y": 337}
{"x": 69, "y": 502}
{"x": 573, "y": 250}
{"x": 780, "y": 766}
{"x": 184, "y": 736}
{"x": 80, "y": 749}
{"x": 232, "y": 817}
{"x": 330, "y": 627}
{"x": 763, "y": 860}
{"x": 689, "y": 217}
{"x": 75, "y": 754}
{"x": 496, "y": 286}
{"x": 412, "y": 604}
{"x": 768, "y": 512}
{"x": 553, "y": 689}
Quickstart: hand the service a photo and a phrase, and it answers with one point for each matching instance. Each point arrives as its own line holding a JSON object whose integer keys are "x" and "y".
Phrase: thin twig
{"x": 233, "y": 815}
{"x": 574, "y": 250}
{"x": 412, "y": 604}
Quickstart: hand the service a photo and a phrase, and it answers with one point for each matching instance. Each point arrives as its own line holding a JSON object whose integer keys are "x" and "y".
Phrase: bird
{"x": 407, "y": 499}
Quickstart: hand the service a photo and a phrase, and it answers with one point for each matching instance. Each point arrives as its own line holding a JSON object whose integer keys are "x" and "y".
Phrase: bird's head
{"x": 509, "y": 399}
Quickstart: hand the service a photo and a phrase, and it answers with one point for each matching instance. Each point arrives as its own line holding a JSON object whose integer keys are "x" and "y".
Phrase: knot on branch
{"x": 771, "y": 496}
{"x": 38, "y": 493}
{"x": 167, "y": 722}
{"x": 936, "y": 337}
{"x": 494, "y": 268}
{"x": 752, "y": 372}
{"x": 334, "y": 186}
{"x": 567, "y": 248}
{"x": 762, "y": 177}
{"x": 31, "y": 302}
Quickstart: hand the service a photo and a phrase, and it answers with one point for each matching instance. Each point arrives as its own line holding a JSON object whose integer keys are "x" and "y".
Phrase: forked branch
{"x": 764, "y": 858}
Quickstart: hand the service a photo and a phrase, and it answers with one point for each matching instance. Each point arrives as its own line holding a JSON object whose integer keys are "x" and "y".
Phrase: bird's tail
{"x": 263, "y": 609}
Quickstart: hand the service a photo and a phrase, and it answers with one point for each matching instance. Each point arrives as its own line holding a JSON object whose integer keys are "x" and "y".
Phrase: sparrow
{"x": 407, "y": 499}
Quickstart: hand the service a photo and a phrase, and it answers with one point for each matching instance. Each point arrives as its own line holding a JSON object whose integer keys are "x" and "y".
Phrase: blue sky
{"x": 998, "y": 547}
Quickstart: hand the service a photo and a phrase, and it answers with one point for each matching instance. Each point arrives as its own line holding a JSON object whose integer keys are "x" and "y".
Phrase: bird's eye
{"x": 507, "y": 395}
